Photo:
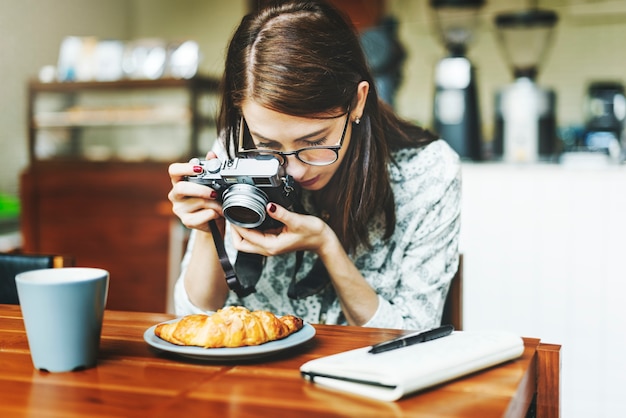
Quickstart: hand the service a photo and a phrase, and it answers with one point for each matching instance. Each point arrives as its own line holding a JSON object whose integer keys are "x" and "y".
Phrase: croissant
{"x": 233, "y": 326}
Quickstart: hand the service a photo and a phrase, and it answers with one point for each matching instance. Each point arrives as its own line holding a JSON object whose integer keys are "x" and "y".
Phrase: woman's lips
{"x": 308, "y": 183}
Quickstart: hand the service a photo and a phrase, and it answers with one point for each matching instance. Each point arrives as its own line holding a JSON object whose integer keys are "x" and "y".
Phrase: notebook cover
{"x": 391, "y": 375}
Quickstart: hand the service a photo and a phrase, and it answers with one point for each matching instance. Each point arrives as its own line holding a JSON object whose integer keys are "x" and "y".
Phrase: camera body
{"x": 246, "y": 185}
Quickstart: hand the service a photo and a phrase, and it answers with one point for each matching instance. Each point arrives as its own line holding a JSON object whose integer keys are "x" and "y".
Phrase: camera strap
{"x": 314, "y": 282}
{"x": 243, "y": 278}
{"x": 233, "y": 282}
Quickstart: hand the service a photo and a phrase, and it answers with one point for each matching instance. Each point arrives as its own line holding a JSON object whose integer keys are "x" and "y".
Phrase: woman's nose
{"x": 294, "y": 167}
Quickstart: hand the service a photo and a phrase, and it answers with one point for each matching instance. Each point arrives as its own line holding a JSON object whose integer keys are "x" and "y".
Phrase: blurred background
{"x": 586, "y": 47}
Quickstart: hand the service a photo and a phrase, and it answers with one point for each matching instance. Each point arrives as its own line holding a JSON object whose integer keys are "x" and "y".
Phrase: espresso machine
{"x": 605, "y": 108}
{"x": 525, "y": 125}
{"x": 456, "y": 115}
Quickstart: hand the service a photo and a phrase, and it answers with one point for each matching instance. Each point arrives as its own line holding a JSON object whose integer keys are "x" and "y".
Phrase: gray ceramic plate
{"x": 249, "y": 352}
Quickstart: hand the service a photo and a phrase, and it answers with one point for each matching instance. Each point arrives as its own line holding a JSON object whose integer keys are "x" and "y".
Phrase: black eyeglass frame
{"x": 282, "y": 156}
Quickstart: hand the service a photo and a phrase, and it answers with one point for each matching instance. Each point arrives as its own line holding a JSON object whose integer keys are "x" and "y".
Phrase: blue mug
{"x": 63, "y": 310}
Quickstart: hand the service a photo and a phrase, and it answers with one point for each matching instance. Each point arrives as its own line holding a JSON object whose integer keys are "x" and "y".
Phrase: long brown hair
{"x": 303, "y": 58}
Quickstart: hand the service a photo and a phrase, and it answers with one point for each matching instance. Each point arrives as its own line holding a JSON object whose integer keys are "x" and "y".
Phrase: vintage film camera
{"x": 246, "y": 185}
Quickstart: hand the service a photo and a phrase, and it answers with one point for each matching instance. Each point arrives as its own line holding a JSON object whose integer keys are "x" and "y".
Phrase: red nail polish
{"x": 197, "y": 169}
{"x": 213, "y": 194}
{"x": 272, "y": 207}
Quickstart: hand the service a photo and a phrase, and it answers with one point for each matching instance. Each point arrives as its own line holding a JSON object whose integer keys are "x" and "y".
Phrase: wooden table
{"x": 132, "y": 379}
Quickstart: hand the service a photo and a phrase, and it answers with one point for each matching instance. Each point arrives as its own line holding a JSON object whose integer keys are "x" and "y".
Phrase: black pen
{"x": 412, "y": 339}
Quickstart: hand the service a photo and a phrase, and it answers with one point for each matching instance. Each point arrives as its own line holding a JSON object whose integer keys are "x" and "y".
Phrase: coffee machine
{"x": 525, "y": 125}
{"x": 456, "y": 115}
{"x": 605, "y": 108}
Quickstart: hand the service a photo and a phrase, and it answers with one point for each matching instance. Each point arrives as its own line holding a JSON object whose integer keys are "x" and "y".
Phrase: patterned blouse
{"x": 410, "y": 272}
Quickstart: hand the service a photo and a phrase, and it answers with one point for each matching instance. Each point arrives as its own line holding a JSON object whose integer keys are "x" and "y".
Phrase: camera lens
{"x": 244, "y": 205}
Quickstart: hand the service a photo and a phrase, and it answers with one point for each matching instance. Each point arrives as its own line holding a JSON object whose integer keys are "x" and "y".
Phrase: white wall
{"x": 544, "y": 257}
{"x": 210, "y": 22}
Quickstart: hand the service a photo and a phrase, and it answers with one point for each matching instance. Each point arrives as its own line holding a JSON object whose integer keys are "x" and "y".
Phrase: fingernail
{"x": 197, "y": 169}
{"x": 272, "y": 207}
{"x": 213, "y": 194}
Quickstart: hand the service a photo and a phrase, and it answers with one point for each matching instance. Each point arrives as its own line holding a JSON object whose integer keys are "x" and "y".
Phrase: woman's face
{"x": 276, "y": 131}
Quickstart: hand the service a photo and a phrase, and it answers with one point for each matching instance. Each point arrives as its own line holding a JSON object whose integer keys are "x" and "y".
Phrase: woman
{"x": 377, "y": 244}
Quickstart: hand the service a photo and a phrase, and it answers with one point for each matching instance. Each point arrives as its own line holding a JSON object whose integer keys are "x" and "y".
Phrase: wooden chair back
{"x": 11, "y": 264}
{"x": 453, "y": 307}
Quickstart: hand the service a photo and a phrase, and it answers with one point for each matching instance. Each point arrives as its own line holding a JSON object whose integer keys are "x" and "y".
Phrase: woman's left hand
{"x": 358, "y": 299}
{"x": 299, "y": 232}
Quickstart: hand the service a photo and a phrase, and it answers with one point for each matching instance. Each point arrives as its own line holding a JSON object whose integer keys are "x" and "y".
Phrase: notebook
{"x": 391, "y": 375}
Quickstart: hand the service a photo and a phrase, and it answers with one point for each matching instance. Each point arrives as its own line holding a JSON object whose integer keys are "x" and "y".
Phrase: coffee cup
{"x": 63, "y": 310}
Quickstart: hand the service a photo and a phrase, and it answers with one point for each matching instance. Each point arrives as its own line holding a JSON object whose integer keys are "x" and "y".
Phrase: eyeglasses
{"x": 318, "y": 155}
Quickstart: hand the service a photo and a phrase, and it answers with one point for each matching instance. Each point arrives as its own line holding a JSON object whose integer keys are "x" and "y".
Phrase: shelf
{"x": 119, "y": 116}
{"x": 77, "y": 86}
{"x": 127, "y": 120}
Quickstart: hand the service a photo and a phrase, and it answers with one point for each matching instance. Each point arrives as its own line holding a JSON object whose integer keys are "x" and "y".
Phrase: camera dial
{"x": 212, "y": 166}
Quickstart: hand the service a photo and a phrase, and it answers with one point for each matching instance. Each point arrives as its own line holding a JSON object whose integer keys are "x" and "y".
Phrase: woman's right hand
{"x": 195, "y": 204}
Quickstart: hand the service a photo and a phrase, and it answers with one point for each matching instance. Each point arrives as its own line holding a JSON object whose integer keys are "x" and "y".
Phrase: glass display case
{"x": 128, "y": 121}
{"x": 96, "y": 186}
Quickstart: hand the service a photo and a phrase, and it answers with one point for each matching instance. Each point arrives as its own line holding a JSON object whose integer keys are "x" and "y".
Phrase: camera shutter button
{"x": 213, "y": 166}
